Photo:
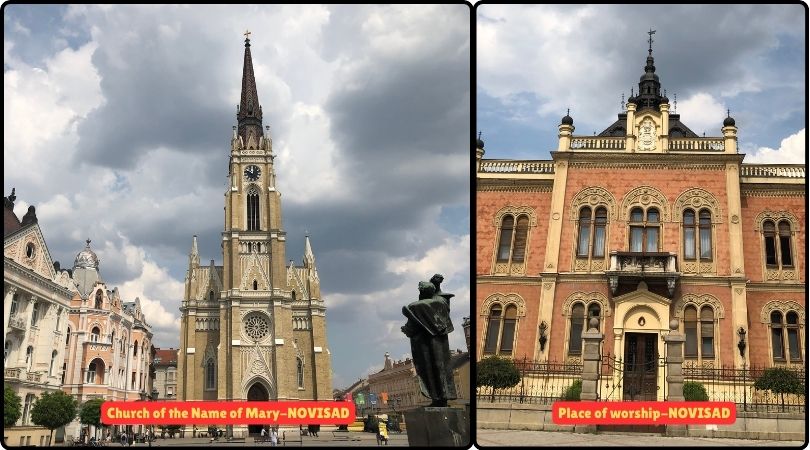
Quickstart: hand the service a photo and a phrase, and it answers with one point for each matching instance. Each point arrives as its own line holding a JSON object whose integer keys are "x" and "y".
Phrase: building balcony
{"x": 636, "y": 266}
{"x": 12, "y": 373}
{"x": 16, "y": 322}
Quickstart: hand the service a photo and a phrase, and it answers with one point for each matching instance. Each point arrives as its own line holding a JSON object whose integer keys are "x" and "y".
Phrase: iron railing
{"x": 736, "y": 385}
{"x": 541, "y": 382}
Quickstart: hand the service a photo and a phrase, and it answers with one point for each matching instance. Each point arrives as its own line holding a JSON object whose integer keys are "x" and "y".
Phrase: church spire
{"x": 249, "y": 115}
{"x": 194, "y": 256}
{"x": 309, "y": 256}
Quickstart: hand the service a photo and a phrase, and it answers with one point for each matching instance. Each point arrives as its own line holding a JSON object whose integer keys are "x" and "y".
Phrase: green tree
{"x": 694, "y": 391}
{"x": 497, "y": 373}
{"x": 780, "y": 381}
{"x": 573, "y": 392}
{"x": 12, "y": 408}
{"x": 53, "y": 410}
{"x": 90, "y": 413}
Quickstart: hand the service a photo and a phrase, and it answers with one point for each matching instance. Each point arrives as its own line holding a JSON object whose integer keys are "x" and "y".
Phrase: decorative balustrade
{"x": 506, "y": 166}
{"x": 643, "y": 265}
{"x": 33, "y": 376}
{"x": 17, "y": 322}
{"x": 597, "y": 143}
{"x": 12, "y": 373}
{"x": 772, "y": 170}
{"x": 701, "y": 144}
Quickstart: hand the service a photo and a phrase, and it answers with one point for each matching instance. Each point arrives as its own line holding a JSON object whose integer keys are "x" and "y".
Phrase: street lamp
{"x": 741, "y": 345}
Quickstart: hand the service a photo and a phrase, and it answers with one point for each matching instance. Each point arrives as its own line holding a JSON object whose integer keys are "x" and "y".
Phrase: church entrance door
{"x": 640, "y": 366}
{"x": 257, "y": 392}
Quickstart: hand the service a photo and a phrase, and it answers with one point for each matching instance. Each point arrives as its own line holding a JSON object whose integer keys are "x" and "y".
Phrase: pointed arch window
{"x": 53, "y": 361}
{"x": 34, "y": 314}
{"x": 135, "y": 349}
{"x": 99, "y": 299}
{"x": 94, "y": 334}
{"x": 67, "y": 337}
{"x": 793, "y": 341}
{"x": 300, "y": 371}
{"x": 210, "y": 375}
{"x": 255, "y": 285}
{"x": 15, "y": 304}
{"x": 500, "y": 335}
{"x": 253, "y": 209}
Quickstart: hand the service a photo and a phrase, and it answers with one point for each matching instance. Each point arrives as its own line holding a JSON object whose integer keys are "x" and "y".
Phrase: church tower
{"x": 253, "y": 328}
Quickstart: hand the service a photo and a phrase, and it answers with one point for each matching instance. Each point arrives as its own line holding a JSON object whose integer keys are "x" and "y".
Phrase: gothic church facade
{"x": 255, "y": 327}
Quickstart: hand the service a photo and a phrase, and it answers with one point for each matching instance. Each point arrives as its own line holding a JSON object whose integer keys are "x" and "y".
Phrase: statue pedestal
{"x": 438, "y": 427}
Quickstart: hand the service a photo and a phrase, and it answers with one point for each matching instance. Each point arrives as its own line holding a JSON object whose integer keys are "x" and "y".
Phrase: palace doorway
{"x": 640, "y": 377}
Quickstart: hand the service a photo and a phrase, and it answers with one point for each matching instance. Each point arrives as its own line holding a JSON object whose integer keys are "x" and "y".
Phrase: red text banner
{"x": 643, "y": 413}
{"x": 228, "y": 413}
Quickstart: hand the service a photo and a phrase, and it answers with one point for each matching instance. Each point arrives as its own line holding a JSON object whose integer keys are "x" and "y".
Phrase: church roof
{"x": 10, "y": 221}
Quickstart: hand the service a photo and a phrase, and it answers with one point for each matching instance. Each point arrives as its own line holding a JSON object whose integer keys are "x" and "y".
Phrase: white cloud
{"x": 704, "y": 113}
{"x": 792, "y": 150}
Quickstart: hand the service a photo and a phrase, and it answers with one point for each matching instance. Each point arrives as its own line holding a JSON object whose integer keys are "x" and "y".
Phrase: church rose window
{"x": 256, "y": 326}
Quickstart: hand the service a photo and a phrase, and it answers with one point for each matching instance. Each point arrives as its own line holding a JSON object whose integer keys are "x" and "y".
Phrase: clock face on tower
{"x": 252, "y": 173}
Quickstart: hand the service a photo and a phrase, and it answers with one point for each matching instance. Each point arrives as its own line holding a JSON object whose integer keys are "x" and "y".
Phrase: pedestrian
{"x": 273, "y": 437}
{"x": 123, "y": 440}
{"x": 264, "y": 433}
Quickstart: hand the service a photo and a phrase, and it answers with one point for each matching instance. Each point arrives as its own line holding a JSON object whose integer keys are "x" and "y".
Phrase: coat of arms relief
{"x": 646, "y": 135}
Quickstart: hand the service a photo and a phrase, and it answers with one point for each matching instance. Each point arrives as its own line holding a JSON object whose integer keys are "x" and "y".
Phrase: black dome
{"x": 567, "y": 120}
{"x": 728, "y": 122}
{"x": 480, "y": 142}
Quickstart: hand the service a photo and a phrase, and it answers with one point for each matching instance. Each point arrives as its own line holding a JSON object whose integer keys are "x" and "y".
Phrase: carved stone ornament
{"x": 587, "y": 299}
{"x": 698, "y": 198}
{"x": 698, "y": 301}
{"x": 515, "y": 211}
{"x": 784, "y": 306}
{"x": 504, "y": 300}
{"x": 647, "y": 135}
{"x": 776, "y": 216}
{"x": 593, "y": 197}
{"x": 646, "y": 196}
{"x": 257, "y": 326}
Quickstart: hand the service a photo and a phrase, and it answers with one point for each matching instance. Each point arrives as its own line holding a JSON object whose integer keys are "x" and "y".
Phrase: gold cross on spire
{"x": 651, "y": 32}
{"x": 247, "y": 34}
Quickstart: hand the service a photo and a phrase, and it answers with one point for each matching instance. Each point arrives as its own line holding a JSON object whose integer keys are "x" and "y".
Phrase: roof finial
{"x": 479, "y": 135}
{"x": 729, "y": 112}
{"x": 88, "y": 242}
{"x": 674, "y": 110}
{"x": 247, "y": 38}
{"x": 568, "y": 112}
{"x": 651, "y": 32}
{"x": 631, "y": 92}
{"x": 621, "y": 105}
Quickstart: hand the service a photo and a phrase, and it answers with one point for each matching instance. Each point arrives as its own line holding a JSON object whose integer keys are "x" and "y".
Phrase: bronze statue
{"x": 428, "y": 326}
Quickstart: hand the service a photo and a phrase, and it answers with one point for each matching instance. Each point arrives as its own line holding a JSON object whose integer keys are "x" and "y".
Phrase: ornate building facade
{"x": 108, "y": 343}
{"x": 253, "y": 328}
{"x": 35, "y": 318}
{"x": 641, "y": 224}
{"x": 165, "y": 364}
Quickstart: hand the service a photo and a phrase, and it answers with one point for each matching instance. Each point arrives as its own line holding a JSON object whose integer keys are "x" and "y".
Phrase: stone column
{"x": 674, "y": 364}
{"x": 590, "y": 360}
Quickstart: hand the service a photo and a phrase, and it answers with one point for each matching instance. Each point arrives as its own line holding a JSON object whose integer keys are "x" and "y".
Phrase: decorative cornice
{"x": 501, "y": 279}
{"x": 645, "y": 196}
{"x": 513, "y": 185}
{"x": 594, "y": 196}
{"x": 704, "y": 161}
{"x": 41, "y": 281}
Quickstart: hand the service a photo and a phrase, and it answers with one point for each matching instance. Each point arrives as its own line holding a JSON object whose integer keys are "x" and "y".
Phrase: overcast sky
{"x": 117, "y": 126}
{"x": 535, "y": 61}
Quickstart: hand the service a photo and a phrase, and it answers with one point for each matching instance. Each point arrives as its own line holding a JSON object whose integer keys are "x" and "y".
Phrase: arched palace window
{"x": 699, "y": 332}
{"x": 778, "y": 247}
{"x": 591, "y": 227}
{"x": 500, "y": 334}
{"x": 645, "y": 230}
{"x": 512, "y": 243}
{"x": 697, "y": 234}
{"x": 785, "y": 336}
{"x": 578, "y": 321}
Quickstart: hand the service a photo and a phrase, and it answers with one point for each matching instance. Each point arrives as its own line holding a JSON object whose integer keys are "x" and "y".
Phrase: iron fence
{"x": 541, "y": 382}
{"x": 736, "y": 385}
